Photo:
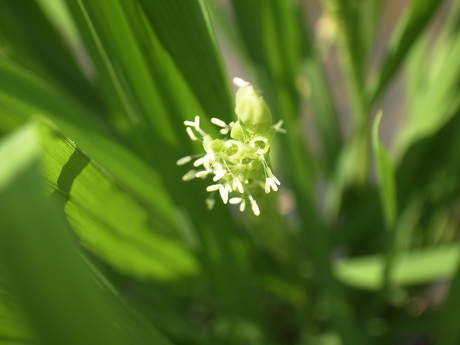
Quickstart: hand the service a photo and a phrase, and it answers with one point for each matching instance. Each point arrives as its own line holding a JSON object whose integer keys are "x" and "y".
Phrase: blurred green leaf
{"x": 24, "y": 27}
{"x": 437, "y": 102}
{"x": 385, "y": 171}
{"x": 415, "y": 267}
{"x": 62, "y": 301}
{"x": 447, "y": 330}
{"x": 193, "y": 48}
{"x": 415, "y": 19}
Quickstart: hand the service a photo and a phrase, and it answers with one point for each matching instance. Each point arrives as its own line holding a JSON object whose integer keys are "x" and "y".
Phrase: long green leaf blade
{"x": 62, "y": 301}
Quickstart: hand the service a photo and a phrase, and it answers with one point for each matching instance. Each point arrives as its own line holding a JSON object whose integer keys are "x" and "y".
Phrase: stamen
{"x": 219, "y": 173}
{"x": 242, "y": 205}
{"x": 235, "y": 201}
{"x": 237, "y": 184}
{"x": 210, "y": 202}
{"x": 191, "y": 134}
{"x": 218, "y": 122}
{"x": 202, "y": 174}
{"x": 213, "y": 187}
{"x": 184, "y": 160}
{"x": 189, "y": 176}
{"x": 254, "y": 206}
{"x": 240, "y": 82}
{"x": 199, "y": 162}
{"x": 270, "y": 183}
{"x": 277, "y": 127}
{"x": 223, "y": 193}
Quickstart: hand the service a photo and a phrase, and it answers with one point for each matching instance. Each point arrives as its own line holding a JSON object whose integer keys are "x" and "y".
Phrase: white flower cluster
{"x": 238, "y": 163}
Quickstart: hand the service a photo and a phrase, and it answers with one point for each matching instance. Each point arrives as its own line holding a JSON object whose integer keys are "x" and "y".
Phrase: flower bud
{"x": 252, "y": 112}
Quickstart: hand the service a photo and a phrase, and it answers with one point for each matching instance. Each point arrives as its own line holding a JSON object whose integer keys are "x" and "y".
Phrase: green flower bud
{"x": 251, "y": 110}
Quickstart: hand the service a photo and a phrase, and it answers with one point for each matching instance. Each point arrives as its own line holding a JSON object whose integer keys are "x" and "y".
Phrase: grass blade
{"x": 44, "y": 267}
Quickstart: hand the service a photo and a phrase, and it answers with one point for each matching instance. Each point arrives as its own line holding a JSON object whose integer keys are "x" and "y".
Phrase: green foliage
{"x": 101, "y": 242}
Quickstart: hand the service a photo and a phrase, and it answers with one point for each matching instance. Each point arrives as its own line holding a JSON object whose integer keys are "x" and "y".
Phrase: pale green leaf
{"x": 416, "y": 267}
{"x": 385, "y": 171}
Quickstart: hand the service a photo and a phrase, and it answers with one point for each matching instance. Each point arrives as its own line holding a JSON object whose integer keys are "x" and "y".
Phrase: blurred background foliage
{"x": 102, "y": 243}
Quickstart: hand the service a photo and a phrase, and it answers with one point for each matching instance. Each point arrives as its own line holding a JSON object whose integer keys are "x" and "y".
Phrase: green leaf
{"x": 193, "y": 48}
{"x": 415, "y": 267}
{"x": 385, "y": 171}
{"x": 409, "y": 28}
{"x": 59, "y": 295}
{"x": 437, "y": 102}
{"x": 109, "y": 220}
{"x": 23, "y": 95}
{"x": 447, "y": 330}
{"x": 13, "y": 328}
{"x": 24, "y": 27}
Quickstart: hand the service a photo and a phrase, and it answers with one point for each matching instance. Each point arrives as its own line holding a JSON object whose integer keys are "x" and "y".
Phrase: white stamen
{"x": 218, "y": 122}
{"x": 235, "y": 201}
{"x": 270, "y": 183}
{"x": 199, "y": 162}
{"x": 242, "y": 205}
{"x": 277, "y": 127}
{"x": 189, "y": 176}
{"x": 219, "y": 173}
{"x": 213, "y": 187}
{"x": 184, "y": 160}
{"x": 224, "y": 131}
{"x": 223, "y": 193}
{"x": 189, "y": 123}
{"x": 240, "y": 82}
{"x": 210, "y": 203}
{"x": 237, "y": 184}
{"x": 254, "y": 206}
{"x": 202, "y": 174}
{"x": 191, "y": 134}
{"x": 267, "y": 186}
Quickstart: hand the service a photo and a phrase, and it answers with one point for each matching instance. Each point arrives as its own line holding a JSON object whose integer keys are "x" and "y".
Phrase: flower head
{"x": 238, "y": 161}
